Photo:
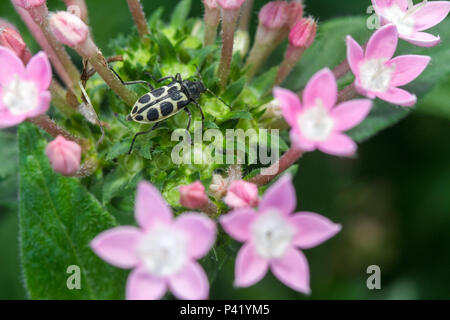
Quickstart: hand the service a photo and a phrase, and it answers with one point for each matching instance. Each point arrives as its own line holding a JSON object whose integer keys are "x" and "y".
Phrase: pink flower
{"x": 271, "y": 236}
{"x": 193, "y": 196}
{"x": 242, "y": 194}
{"x": 64, "y": 156}
{"x": 230, "y": 4}
{"x": 162, "y": 251}
{"x": 377, "y": 74}
{"x": 303, "y": 33}
{"x": 11, "y": 39}
{"x": 318, "y": 123}
{"x": 411, "y": 21}
{"x": 27, "y": 4}
{"x": 23, "y": 90}
{"x": 68, "y": 28}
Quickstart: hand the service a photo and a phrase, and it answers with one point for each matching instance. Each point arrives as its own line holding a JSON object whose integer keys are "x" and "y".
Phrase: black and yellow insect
{"x": 161, "y": 103}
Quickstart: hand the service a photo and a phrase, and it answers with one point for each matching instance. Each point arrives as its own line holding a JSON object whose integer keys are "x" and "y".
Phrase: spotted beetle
{"x": 161, "y": 103}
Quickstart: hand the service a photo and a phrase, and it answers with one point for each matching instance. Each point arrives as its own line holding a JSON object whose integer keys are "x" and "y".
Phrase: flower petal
{"x": 150, "y": 206}
{"x": 250, "y": 268}
{"x": 237, "y": 223}
{"x": 11, "y": 65}
{"x": 200, "y": 230}
{"x": 338, "y": 144}
{"x": 143, "y": 286}
{"x": 407, "y": 68}
{"x": 300, "y": 142}
{"x": 280, "y": 196}
{"x": 191, "y": 283}
{"x": 290, "y": 104}
{"x": 322, "y": 86}
{"x": 422, "y": 39}
{"x": 383, "y": 43}
{"x": 117, "y": 246}
{"x": 44, "y": 104}
{"x": 293, "y": 270}
{"x": 348, "y": 114}
{"x": 381, "y": 4}
{"x": 430, "y": 15}
{"x": 9, "y": 120}
{"x": 40, "y": 71}
{"x": 355, "y": 54}
{"x": 399, "y": 97}
{"x": 312, "y": 229}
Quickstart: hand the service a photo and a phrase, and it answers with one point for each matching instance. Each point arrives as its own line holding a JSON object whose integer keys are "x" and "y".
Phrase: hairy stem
{"x": 229, "y": 19}
{"x": 348, "y": 93}
{"x": 78, "y": 8}
{"x": 139, "y": 18}
{"x": 268, "y": 174}
{"x": 246, "y": 15}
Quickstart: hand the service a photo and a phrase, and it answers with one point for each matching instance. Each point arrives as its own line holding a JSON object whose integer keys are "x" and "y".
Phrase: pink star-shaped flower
{"x": 163, "y": 252}
{"x": 411, "y": 21}
{"x": 378, "y": 74}
{"x": 318, "y": 123}
{"x": 23, "y": 90}
{"x": 272, "y": 235}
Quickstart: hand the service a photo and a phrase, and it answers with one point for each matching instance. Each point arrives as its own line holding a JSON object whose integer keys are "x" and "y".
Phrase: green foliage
{"x": 58, "y": 219}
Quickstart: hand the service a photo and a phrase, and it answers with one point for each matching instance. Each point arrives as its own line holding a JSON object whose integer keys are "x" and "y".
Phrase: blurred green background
{"x": 393, "y": 200}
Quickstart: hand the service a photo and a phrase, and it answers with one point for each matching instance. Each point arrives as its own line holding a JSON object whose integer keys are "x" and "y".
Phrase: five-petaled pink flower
{"x": 23, "y": 90}
{"x": 272, "y": 235}
{"x": 378, "y": 74}
{"x": 162, "y": 252}
{"x": 318, "y": 123}
{"x": 411, "y": 21}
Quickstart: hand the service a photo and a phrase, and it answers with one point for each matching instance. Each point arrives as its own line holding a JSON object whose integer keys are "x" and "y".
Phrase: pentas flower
{"x": 412, "y": 20}
{"x": 23, "y": 90}
{"x": 193, "y": 196}
{"x": 162, "y": 252}
{"x": 378, "y": 74}
{"x": 271, "y": 236}
{"x": 64, "y": 156}
{"x": 242, "y": 194}
{"x": 318, "y": 123}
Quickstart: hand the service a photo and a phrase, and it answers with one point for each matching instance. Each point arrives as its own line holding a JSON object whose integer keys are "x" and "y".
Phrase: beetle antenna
{"x": 207, "y": 89}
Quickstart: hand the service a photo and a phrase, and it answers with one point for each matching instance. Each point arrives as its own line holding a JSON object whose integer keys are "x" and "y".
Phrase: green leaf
{"x": 180, "y": 13}
{"x": 234, "y": 90}
{"x": 240, "y": 115}
{"x": 166, "y": 49}
{"x": 58, "y": 219}
{"x": 262, "y": 84}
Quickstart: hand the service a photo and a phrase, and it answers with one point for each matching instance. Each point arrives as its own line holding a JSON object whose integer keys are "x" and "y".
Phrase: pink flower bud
{"x": 68, "y": 28}
{"x": 230, "y": 4}
{"x": 295, "y": 10}
{"x": 193, "y": 196}
{"x": 210, "y": 4}
{"x": 242, "y": 194}
{"x": 303, "y": 33}
{"x": 64, "y": 156}
{"x": 275, "y": 14}
{"x": 11, "y": 39}
{"x": 218, "y": 186}
{"x": 27, "y": 4}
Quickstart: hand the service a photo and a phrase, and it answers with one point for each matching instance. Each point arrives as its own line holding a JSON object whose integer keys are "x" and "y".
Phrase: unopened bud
{"x": 68, "y": 28}
{"x": 193, "y": 196}
{"x": 28, "y": 4}
{"x": 303, "y": 33}
{"x": 242, "y": 194}
{"x": 295, "y": 10}
{"x": 64, "y": 156}
{"x": 11, "y": 39}
{"x": 230, "y": 4}
{"x": 274, "y": 15}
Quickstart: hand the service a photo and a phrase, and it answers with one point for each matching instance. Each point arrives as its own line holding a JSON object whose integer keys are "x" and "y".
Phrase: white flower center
{"x": 375, "y": 75}
{"x": 402, "y": 20}
{"x": 315, "y": 123}
{"x": 163, "y": 250}
{"x": 272, "y": 235}
{"x": 20, "y": 96}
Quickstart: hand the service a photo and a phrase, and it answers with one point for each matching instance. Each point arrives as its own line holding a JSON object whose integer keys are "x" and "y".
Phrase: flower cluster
{"x": 164, "y": 249}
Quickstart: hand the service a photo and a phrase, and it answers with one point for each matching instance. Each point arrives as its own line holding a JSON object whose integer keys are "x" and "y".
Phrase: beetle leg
{"x": 201, "y": 112}
{"x": 141, "y": 133}
{"x": 189, "y": 123}
{"x": 127, "y": 83}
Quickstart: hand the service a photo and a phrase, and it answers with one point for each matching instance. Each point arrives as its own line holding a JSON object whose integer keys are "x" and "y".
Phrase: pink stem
{"x": 139, "y": 18}
{"x": 229, "y": 19}
{"x": 348, "y": 93}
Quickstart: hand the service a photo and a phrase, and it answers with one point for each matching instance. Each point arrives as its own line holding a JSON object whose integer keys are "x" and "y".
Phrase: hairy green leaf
{"x": 58, "y": 219}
